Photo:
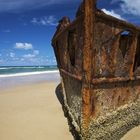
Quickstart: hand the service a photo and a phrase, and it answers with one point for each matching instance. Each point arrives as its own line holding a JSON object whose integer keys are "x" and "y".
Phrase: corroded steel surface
{"x": 89, "y": 20}
{"x": 99, "y": 61}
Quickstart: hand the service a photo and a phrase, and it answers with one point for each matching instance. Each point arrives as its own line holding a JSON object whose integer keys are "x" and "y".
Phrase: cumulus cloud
{"x": 15, "y": 58}
{"x": 50, "y": 20}
{"x": 31, "y": 55}
{"x": 12, "y": 55}
{"x": 36, "y": 52}
{"x": 112, "y": 13}
{"x": 24, "y": 46}
{"x": 20, "y": 5}
{"x": 1, "y": 61}
{"x": 131, "y": 7}
{"x": 22, "y": 59}
{"x": 28, "y": 56}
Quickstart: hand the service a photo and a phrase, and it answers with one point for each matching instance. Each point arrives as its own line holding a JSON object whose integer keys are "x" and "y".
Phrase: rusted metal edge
{"x": 78, "y": 19}
{"x": 79, "y": 78}
{"x": 101, "y": 80}
{"x": 117, "y": 21}
{"x": 88, "y": 41}
{"x": 101, "y": 15}
{"x": 114, "y": 80}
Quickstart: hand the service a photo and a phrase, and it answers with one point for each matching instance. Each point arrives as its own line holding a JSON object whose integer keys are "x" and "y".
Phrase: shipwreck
{"x": 98, "y": 57}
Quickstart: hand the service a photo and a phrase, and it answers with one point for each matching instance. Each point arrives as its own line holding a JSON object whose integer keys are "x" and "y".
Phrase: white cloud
{"x": 29, "y": 56}
{"x": 33, "y": 55}
{"x": 25, "y": 46}
{"x": 36, "y": 52}
{"x": 50, "y": 20}
{"x": 131, "y": 7}
{"x": 54, "y": 61}
{"x": 15, "y": 58}
{"x": 1, "y": 61}
{"x": 12, "y": 55}
{"x": 112, "y": 13}
{"x": 22, "y": 5}
{"x": 22, "y": 59}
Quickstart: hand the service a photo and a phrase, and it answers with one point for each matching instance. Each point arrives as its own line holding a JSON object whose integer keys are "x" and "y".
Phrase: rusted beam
{"x": 89, "y": 20}
{"x": 60, "y": 33}
{"x": 122, "y": 23}
{"x": 79, "y": 78}
{"x": 101, "y": 15}
{"x": 111, "y": 80}
{"x": 101, "y": 80}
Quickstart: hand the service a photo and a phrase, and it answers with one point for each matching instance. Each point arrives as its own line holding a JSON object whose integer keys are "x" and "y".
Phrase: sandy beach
{"x": 134, "y": 134}
{"x": 32, "y": 111}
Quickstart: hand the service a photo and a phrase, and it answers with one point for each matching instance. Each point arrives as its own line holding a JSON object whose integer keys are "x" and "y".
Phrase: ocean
{"x": 12, "y": 76}
{"x": 8, "y": 71}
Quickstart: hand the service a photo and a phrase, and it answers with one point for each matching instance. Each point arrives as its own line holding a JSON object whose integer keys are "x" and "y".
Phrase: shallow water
{"x": 8, "y": 82}
{"x": 8, "y": 70}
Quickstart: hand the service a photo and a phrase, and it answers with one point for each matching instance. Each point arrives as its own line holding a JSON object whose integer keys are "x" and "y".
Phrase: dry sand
{"x": 134, "y": 134}
{"x": 32, "y": 113}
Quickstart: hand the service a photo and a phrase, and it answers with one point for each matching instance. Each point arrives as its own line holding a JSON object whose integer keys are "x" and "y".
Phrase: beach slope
{"x": 32, "y": 112}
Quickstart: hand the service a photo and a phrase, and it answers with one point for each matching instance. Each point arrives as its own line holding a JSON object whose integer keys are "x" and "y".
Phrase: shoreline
{"x": 28, "y": 78}
{"x": 28, "y": 73}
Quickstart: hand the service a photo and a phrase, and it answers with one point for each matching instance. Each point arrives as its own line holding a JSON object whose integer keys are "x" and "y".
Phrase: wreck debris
{"x": 99, "y": 61}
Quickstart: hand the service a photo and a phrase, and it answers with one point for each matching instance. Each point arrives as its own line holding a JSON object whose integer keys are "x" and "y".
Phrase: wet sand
{"x": 32, "y": 112}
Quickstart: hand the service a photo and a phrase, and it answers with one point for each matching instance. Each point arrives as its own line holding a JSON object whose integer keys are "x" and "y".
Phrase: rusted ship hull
{"x": 99, "y": 61}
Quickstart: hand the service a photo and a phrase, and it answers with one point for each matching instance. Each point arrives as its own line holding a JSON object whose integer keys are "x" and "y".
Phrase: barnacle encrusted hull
{"x": 115, "y": 124}
{"x": 98, "y": 57}
{"x": 110, "y": 126}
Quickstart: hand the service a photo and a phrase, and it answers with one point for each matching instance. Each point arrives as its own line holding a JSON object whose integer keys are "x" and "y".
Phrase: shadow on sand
{"x": 60, "y": 97}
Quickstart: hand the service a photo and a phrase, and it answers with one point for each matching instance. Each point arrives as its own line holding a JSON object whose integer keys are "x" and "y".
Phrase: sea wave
{"x": 27, "y": 67}
{"x": 28, "y": 73}
{"x": 5, "y": 68}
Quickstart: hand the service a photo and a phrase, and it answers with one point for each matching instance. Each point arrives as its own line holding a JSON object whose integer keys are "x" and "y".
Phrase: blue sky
{"x": 27, "y": 26}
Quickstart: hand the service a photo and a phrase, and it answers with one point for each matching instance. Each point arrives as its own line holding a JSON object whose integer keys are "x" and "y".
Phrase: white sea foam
{"x": 5, "y": 68}
{"x": 27, "y": 67}
{"x": 28, "y": 73}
